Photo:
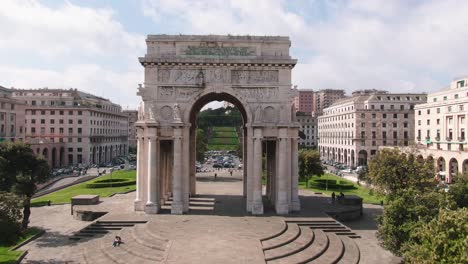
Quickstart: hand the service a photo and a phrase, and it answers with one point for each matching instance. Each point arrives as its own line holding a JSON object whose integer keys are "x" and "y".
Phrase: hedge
{"x": 108, "y": 183}
{"x": 332, "y": 184}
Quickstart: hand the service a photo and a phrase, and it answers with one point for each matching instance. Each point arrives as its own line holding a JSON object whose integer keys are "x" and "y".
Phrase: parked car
{"x": 217, "y": 165}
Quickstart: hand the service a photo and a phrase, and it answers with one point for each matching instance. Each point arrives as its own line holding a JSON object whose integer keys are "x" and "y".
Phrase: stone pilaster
{"x": 152, "y": 203}
{"x": 281, "y": 205}
{"x": 138, "y": 203}
{"x": 257, "y": 202}
{"x": 295, "y": 202}
{"x": 186, "y": 167}
{"x": 248, "y": 166}
{"x": 177, "y": 182}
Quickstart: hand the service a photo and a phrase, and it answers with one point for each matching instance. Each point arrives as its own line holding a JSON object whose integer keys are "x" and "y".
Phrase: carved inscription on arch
{"x": 176, "y": 93}
{"x": 259, "y": 93}
{"x": 254, "y": 77}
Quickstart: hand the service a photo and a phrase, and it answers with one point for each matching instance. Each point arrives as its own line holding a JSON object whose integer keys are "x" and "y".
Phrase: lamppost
{"x": 111, "y": 169}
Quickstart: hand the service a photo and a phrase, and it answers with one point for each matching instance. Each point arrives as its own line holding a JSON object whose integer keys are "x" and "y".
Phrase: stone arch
{"x": 362, "y": 158}
{"x": 54, "y": 158}
{"x": 345, "y": 161}
{"x": 465, "y": 166}
{"x": 61, "y": 156}
{"x": 453, "y": 165}
{"x": 45, "y": 153}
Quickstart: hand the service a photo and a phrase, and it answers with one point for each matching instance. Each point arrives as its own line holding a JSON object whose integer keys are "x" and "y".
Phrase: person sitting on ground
{"x": 117, "y": 241}
{"x": 341, "y": 195}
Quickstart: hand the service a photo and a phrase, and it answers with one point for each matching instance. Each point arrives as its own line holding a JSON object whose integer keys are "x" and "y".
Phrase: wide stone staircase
{"x": 312, "y": 241}
{"x": 100, "y": 228}
{"x": 140, "y": 245}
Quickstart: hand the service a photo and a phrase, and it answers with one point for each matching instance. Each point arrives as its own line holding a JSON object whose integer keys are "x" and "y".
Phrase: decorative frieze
{"x": 255, "y": 77}
{"x": 176, "y": 93}
{"x": 259, "y": 93}
{"x": 219, "y": 51}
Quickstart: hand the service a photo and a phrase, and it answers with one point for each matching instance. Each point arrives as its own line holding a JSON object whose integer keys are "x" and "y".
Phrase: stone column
{"x": 281, "y": 205}
{"x": 186, "y": 167}
{"x": 152, "y": 203}
{"x": 257, "y": 203}
{"x": 138, "y": 199}
{"x": 177, "y": 179}
{"x": 295, "y": 202}
{"x": 248, "y": 166}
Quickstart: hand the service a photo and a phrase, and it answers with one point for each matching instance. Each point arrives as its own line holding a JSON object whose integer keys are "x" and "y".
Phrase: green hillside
{"x": 223, "y": 138}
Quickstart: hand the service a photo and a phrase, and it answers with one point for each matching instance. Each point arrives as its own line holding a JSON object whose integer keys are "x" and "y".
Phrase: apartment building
{"x": 70, "y": 127}
{"x": 325, "y": 98}
{"x": 132, "y": 119}
{"x": 309, "y": 129}
{"x": 11, "y": 117}
{"x": 304, "y": 101}
{"x": 352, "y": 130}
{"x": 441, "y": 129}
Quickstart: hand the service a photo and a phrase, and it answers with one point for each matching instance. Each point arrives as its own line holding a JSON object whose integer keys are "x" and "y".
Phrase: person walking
{"x": 333, "y": 196}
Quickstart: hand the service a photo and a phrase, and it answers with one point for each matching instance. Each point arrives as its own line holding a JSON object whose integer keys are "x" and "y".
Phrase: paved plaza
{"x": 217, "y": 230}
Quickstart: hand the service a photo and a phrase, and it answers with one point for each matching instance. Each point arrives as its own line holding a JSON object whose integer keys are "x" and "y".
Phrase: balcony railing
{"x": 418, "y": 138}
{"x": 448, "y": 138}
{"x": 437, "y": 138}
{"x": 461, "y": 139}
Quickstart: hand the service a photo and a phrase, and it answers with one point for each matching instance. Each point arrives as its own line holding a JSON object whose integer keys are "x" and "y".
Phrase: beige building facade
{"x": 309, "y": 128}
{"x": 69, "y": 127}
{"x": 441, "y": 127}
{"x": 11, "y": 116}
{"x": 352, "y": 130}
{"x": 184, "y": 73}
{"x": 132, "y": 119}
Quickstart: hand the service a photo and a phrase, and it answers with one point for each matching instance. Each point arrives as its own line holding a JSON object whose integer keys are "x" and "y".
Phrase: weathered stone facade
{"x": 182, "y": 74}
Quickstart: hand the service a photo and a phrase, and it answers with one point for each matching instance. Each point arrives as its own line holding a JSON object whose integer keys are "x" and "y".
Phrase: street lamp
{"x": 111, "y": 169}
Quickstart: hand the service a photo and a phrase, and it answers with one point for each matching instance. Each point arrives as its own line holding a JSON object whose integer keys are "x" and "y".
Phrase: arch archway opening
{"x": 217, "y": 144}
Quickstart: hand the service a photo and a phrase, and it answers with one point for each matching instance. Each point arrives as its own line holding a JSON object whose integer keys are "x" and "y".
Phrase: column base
{"x": 177, "y": 209}
{"x": 296, "y": 206}
{"x": 151, "y": 208}
{"x": 282, "y": 209}
{"x": 139, "y": 205}
{"x": 257, "y": 209}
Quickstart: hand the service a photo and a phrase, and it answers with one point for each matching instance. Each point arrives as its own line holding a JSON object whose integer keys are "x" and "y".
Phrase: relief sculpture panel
{"x": 259, "y": 94}
{"x": 176, "y": 93}
{"x": 255, "y": 77}
{"x": 193, "y": 76}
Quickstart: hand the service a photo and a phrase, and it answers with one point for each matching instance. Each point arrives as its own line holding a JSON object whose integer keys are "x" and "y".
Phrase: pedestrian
{"x": 230, "y": 171}
{"x": 333, "y": 197}
{"x": 341, "y": 195}
{"x": 216, "y": 175}
{"x": 117, "y": 241}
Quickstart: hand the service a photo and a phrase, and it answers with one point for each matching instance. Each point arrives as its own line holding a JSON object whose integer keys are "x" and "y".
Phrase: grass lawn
{"x": 224, "y": 141}
{"x": 64, "y": 195}
{"x": 360, "y": 190}
{"x": 228, "y": 129}
{"x": 225, "y": 134}
{"x": 222, "y": 147}
{"x": 7, "y": 256}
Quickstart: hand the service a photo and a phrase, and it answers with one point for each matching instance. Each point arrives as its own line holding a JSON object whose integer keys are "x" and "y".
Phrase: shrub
{"x": 10, "y": 214}
{"x": 332, "y": 184}
{"x": 108, "y": 183}
{"x": 443, "y": 240}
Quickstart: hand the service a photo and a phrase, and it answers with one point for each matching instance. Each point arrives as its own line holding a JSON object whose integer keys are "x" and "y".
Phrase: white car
{"x": 240, "y": 166}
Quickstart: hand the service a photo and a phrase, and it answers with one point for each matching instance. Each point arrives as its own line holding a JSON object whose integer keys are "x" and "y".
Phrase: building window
{"x": 80, "y": 122}
{"x": 384, "y": 124}
{"x": 52, "y": 112}
{"x": 374, "y": 115}
{"x": 384, "y": 115}
{"x": 78, "y": 140}
{"x": 70, "y": 130}
{"x": 456, "y": 96}
{"x": 405, "y": 115}
{"x": 363, "y": 115}
{"x": 419, "y": 112}
{"x": 461, "y": 107}
{"x": 33, "y": 130}
{"x": 438, "y": 121}
{"x": 462, "y": 134}
{"x": 438, "y": 110}
{"x": 79, "y": 130}
{"x": 428, "y": 111}
{"x": 43, "y": 112}
{"x": 33, "y": 121}
{"x": 384, "y": 135}
{"x": 445, "y": 98}
{"x": 52, "y": 130}
{"x": 60, "y": 112}
{"x": 70, "y": 112}
{"x": 373, "y": 143}
{"x": 419, "y": 122}
{"x": 450, "y": 134}
{"x": 42, "y": 121}
{"x": 61, "y": 130}
{"x": 405, "y": 134}
{"x": 395, "y": 134}
{"x": 395, "y": 125}
{"x": 374, "y": 124}
{"x": 402, "y": 107}
{"x": 395, "y": 115}
{"x": 363, "y": 124}
{"x": 33, "y": 112}
{"x": 70, "y": 149}
{"x": 70, "y": 140}
{"x": 381, "y": 107}
{"x": 434, "y": 99}
{"x": 449, "y": 109}
{"x": 461, "y": 84}
{"x": 70, "y": 121}
{"x": 80, "y": 112}
{"x": 373, "y": 134}
{"x": 428, "y": 122}
{"x": 33, "y": 102}
{"x": 42, "y": 130}
{"x": 405, "y": 124}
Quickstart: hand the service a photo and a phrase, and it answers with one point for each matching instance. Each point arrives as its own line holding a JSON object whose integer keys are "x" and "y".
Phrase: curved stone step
{"x": 143, "y": 250}
{"x": 92, "y": 254}
{"x": 291, "y": 233}
{"x": 285, "y": 227}
{"x": 304, "y": 240}
{"x": 351, "y": 254}
{"x": 144, "y": 237}
{"x": 334, "y": 251}
{"x": 119, "y": 254}
{"x": 314, "y": 250}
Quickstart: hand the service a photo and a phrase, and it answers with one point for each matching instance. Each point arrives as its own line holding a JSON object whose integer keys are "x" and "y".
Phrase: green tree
{"x": 459, "y": 190}
{"x": 309, "y": 164}
{"x": 20, "y": 172}
{"x": 443, "y": 240}
{"x": 409, "y": 209}
{"x": 10, "y": 214}
{"x": 391, "y": 170}
{"x": 201, "y": 146}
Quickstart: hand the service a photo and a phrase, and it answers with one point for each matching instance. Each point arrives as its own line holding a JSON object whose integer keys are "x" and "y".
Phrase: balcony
{"x": 461, "y": 139}
{"x": 448, "y": 138}
{"x": 437, "y": 138}
{"x": 428, "y": 138}
{"x": 418, "y": 138}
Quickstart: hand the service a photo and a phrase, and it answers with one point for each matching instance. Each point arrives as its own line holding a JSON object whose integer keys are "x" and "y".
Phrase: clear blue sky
{"x": 93, "y": 45}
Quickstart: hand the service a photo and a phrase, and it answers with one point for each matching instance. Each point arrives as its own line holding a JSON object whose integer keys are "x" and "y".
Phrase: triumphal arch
{"x": 182, "y": 74}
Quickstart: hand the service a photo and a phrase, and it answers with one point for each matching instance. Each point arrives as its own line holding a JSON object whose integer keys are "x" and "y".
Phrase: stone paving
{"x": 223, "y": 233}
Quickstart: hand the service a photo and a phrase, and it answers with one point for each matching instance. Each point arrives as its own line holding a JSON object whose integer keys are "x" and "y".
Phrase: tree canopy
{"x": 20, "y": 172}
{"x": 391, "y": 170}
{"x": 309, "y": 163}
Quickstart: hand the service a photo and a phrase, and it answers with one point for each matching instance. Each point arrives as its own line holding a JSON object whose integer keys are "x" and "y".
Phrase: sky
{"x": 94, "y": 45}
